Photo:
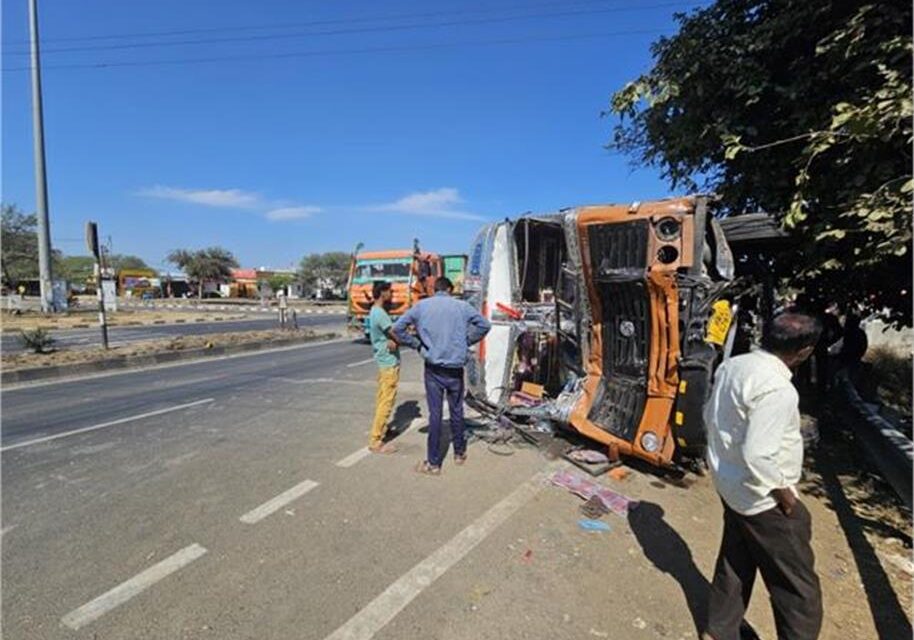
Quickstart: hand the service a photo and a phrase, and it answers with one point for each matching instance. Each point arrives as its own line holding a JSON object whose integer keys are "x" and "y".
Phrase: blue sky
{"x": 298, "y": 137}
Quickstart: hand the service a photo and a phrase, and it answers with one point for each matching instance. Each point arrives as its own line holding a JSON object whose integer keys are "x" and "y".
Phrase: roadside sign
{"x": 92, "y": 238}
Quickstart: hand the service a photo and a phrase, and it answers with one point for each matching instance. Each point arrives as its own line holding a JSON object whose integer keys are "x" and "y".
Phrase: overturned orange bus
{"x": 618, "y": 314}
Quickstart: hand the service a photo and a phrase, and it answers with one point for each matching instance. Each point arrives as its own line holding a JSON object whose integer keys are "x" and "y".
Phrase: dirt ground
{"x": 12, "y": 362}
{"x": 80, "y": 319}
{"x": 648, "y": 577}
{"x": 875, "y": 523}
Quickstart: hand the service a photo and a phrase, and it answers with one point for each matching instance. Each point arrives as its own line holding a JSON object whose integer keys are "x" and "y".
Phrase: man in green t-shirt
{"x": 387, "y": 356}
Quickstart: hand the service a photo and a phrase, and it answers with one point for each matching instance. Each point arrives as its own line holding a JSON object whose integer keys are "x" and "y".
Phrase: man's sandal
{"x": 427, "y": 470}
{"x": 460, "y": 459}
{"x": 384, "y": 447}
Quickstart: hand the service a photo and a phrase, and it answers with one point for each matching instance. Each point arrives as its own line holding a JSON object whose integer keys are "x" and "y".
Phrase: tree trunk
{"x": 200, "y": 290}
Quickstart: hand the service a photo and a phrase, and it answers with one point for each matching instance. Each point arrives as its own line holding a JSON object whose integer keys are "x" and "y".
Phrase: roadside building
{"x": 254, "y": 283}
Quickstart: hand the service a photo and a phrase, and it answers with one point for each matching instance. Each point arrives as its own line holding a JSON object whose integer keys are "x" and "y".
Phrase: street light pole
{"x": 41, "y": 184}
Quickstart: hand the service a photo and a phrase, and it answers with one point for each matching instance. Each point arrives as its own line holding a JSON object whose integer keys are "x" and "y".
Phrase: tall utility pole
{"x": 41, "y": 183}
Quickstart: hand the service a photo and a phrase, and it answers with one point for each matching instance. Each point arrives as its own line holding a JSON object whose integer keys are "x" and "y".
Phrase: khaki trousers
{"x": 388, "y": 379}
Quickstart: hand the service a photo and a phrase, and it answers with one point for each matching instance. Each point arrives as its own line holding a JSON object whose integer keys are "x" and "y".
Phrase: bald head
{"x": 791, "y": 333}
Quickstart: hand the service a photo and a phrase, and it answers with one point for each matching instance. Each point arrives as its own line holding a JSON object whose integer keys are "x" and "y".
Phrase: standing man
{"x": 387, "y": 357}
{"x": 755, "y": 453}
{"x": 446, "y": 328}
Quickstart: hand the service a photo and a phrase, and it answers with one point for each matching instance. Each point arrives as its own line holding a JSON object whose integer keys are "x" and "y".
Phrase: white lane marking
{"x": 170, "y": 365}
{"x": 380, "y": 611}
{"x": 277, "y": 503}
{"x": 6, "y": 530}
{"x": 353, "y": 457}
{"x": 359, "y": 363}
{"x": 306, "y": 380}
{"x": 104, "y": 425}
{"x": 363, "y": 453}
{"x": 134, "y": 586}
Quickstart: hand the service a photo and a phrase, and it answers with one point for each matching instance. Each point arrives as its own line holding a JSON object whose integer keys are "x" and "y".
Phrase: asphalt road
{"x": 232, "y": 498}
{"x": 80, "y": 338}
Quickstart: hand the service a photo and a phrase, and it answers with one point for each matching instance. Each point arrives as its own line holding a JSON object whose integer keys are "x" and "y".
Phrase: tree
{"x": 213, "y": 263}
{"x": 324, "y": 270}
{"x": 279, "y": 281}
{"x": 118, "y": 261}
{"x": 75, "y": 269}
{"x": 800, "y": 109}
{"x": 19, "y": 243}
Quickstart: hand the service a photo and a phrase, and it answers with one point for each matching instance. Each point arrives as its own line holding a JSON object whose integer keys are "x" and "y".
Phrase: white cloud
{"x": 292, "y": 213}
{"x": 278, "y": 210}
{"x": 438, "y": 203}
{"x": 223, "y": 198}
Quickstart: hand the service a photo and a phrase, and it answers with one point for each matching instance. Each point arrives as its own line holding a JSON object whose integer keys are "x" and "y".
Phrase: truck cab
{"x": 412, "y": 275}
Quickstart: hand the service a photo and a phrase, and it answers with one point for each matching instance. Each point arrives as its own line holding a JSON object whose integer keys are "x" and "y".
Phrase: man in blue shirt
{"x": 446, "y": 327}
{"x": 387, "y": 357}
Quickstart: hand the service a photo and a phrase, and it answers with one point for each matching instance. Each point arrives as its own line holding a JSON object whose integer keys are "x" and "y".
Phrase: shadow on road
{"x": 667, "y": 550}
{"x": 404, "y": 414}
{"x": 888, "y": 615}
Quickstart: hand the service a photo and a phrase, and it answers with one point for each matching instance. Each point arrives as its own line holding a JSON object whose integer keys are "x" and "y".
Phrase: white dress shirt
{"x": 754, "y": 441}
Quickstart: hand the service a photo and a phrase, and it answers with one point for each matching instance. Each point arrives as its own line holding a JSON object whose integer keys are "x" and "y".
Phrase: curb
{"x": 132, "y": 323}
{"x": 890, "y": 451}
{"x": 238, "y": 308}
{"x": 133, "y": 362}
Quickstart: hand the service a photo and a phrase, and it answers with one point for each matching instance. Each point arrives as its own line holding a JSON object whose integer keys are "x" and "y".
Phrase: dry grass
{"x": 30, "y": 320}
{"x": 13, "y": 362}
{"x": 892, "y": 375}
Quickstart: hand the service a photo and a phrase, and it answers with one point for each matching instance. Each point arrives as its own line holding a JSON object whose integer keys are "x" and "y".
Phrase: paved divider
{"x": 132, "y": 362}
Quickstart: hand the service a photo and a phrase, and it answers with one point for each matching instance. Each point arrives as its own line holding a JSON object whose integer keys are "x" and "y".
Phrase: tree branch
{"x": 802, "y": 136}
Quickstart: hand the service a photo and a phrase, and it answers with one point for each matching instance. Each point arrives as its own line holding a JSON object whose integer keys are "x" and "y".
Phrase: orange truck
{"x": 412, "y": 274}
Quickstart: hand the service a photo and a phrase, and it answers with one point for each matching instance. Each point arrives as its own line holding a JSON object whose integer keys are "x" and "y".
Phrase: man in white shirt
{"x": 755, "y": 453}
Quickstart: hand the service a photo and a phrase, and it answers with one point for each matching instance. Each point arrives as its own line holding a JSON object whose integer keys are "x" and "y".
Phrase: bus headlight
{"x": 650, "y": 442}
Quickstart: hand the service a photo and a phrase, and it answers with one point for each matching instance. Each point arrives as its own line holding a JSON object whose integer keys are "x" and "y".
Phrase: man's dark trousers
{"x": 778, "y": 547}
{"x": 441, "y": 381}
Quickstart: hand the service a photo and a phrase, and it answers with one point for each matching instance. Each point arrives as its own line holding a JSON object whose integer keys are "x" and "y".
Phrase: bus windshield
{"x": 390, "y": 269}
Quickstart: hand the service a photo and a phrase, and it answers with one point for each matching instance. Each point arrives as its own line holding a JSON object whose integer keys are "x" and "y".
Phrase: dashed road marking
{"x": 384, "y": 608}
{"x": 123, "y": 592}
{"x": 361, "y": 454}
{"x": 277, "y": 503}
{"x": 359, "y": 363}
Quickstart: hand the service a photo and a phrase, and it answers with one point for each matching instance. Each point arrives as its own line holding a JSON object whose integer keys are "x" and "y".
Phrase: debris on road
{"x": 594, "y": 508}
{"x": 619, "y": 473}
{"x": 593, "y": 525}
{"x": 588, "y": 456}
{"x": 581, "y": 486}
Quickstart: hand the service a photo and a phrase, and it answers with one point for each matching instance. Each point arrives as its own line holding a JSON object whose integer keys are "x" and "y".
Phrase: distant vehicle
{"x": 139, "y": 282}
{"x": 609, "y": 320}
{"x": 412, "y": 274}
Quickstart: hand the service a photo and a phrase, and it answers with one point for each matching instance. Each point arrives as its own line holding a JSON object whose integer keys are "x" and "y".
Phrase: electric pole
{"x": 41, "y": 185}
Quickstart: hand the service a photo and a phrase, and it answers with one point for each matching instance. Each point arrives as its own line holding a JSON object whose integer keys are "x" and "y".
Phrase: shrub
{"x": 892, "y": 374}
{"x": 38, "y": 340}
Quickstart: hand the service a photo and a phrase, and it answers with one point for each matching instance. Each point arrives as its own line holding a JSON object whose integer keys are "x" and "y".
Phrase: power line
{"x": 332, "y": 52}
{"x": 349, "y": 31}
{"x": 350, "y": 20}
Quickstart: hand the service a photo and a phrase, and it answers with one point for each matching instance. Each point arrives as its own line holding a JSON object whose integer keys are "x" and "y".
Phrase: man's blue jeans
{"x": 441, "y": 381}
